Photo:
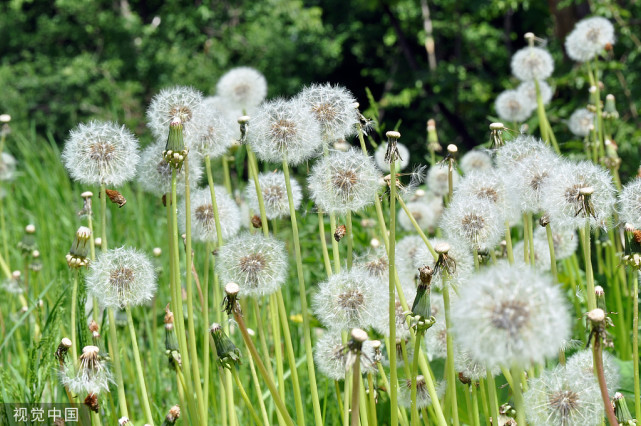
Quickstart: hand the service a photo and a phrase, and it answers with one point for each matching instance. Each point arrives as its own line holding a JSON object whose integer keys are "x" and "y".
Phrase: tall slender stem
{"x": 451, "y": 372}
{"x": 141, "y": 375}
{"x": 74, "y": 302}
{"x": 392, "y": 296}
{"x": 356, "y": 377}
{"x": 508, "y": 243}
{"x": 550, "y": 237}
{"x": 350, "y": 239}
{"x": 243, "y": 394}
{"x": 635, "y": 344}
{"x": 115, "y": 356}
{"x": 494, "y": 405}
{"x": 589, "y": 273}
{"x": 598, "y": 366}
{"x": 303, "y": 299}
{"x": 413, "y": 376}
{"x": 103, "y": 217}
{"x": 323, "y": 241}
{"x": 518, "y": 395}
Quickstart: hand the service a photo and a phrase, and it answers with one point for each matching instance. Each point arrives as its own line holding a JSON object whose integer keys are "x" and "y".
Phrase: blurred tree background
{"x": 67, "y": 61}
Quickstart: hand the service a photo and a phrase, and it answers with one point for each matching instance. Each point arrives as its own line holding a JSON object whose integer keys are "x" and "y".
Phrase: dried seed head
{"x": 173, "y": 414}
{"x": 331, "y": 356}
{"x": 333, "y": 109}
{"x": 274, "y": 190}
{"x": 176, "y": 104}
{"x": 589, "y": 38}
{"x": 203, "y": 221}
{"x": 532, "y": 63}
{"x": 581, "y": 122}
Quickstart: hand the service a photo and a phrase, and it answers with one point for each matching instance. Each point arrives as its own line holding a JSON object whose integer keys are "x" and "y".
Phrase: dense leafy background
{"x": 70, "y": 60}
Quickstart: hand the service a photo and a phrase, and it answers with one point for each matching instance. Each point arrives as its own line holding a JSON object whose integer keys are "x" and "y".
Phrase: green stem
{"x": 259, "y": 392}
{"x": 372, "y": 399}
{"x": 193, "y": 351}
{"x": 335, "y": 250}
{"x": 350, "y": 239}
{"x": 103, "y": 217}
{"x": 262, "y": 370}
{"x": 518, "y": 395}
{"x": 475, "y": 405}
{"x": 356, "y": 376}
{"x": 508, "y": 243}
{"x": 451, "y": 372}
{"x": 205, "y": 309}
{"x": 303, "y": 299}
{"x": 141, "y": 376}
{"x": 598, "y": 367}
{"x": 74, "y": 302}
{"x": 548, "y": 232}
{"x": 413, "y": 376}
{"x": 323, "y": 241}
{"x": 494, "y": 405}
{"x": 115, "y": 356}
{"x": 635, "y": 345}
{"x": 243, "y": 394}
{"x": 226, "y": 177}
{"x": 587, "y": 257}
{"x": 417, "y": 228}
{"x": 392, "y": 296}
{"x": 526, "y": 240}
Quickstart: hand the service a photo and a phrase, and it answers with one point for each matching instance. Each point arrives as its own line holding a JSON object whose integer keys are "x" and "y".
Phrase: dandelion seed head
{"x": 527, "y": 89}
{"x": 99, "y": 153}
{"x": 532, "y": 63}
{"x": 555, "y": 398}
{"x": 423, "y": 398}
{"x": 331, "y": 356}
{"x": 347, "y": 300}
{"x": 475, "y": 222}
{"x": 92, "y": 375}
{"x": 344, "y": 181}
{"x": 258, "y": 264}
{"x": 489, "y": 185}
{"x": 580, "y": 367}
{"x": 121, "y": 277}
{"x": 401, "y": 163}
{"x": 203, "y": 222}
{"x": 581, "y": 122}
{"x": 475, "y": 160}
{"x": 177, "y": 103}
{"x": 437, "y": 181}
{"x": 154, "y": 173}
{"x": 333, "y": 108}
{"x": 510, "y": 315}
{"x": 213, "y": 134}
{"x": 589, "y": 38}
{"x": 274, "y": 190}
{"x": 630, "y": 203}
{"x": 284, "y": 129}
{"x": 511, "y": 106}
{"x": 563, "y": 202}
{"x": 422, "y": 212}
{"x": 243, "y": 87}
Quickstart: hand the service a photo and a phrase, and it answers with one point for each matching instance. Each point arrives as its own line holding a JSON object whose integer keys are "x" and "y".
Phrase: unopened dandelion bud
{"x": 422, "y": 306}
{"x": 94, "y": 328}
{"x": 600, "y": 298}
{"x": 157, "y": 251}
{"x": 340, "y": 232}
{"x": 175, "y": 150}
{"x": 610, "y": 110}
{"x": 28, "y": 242}
{"x": 596, "y": 316}
{"x": 256, "y": 221}
{"x": 173, "y": 415}
{"x": 77, "y": 256}
{"x": 622, "y": 411}
{"x": 228, "y": 353}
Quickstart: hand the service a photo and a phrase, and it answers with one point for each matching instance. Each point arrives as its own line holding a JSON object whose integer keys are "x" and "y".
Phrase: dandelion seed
{"x": 401, "y": 163}
{"x": 154, "y": 173}
{"x": 244, "y": 87}
{"x": 555, "y": 398}
{"x": 331, "y": 356}
{"x": 437, "y": 180}
{"x": 92, "y": 376}
{"x": 101, "y": 153}
{"x": 121, "y": 277}
{"x": 202, "y": 215}
{"x": 349, "y": 299}
{"x": 258, "y": 264}
{"x": 563, "y": 201}
{"x": 344, "y": 181}
{"x": 284, "y": 129}
{"x": 581, "y": 122}
{"x": 510, "y": 315}
{"x": 475, "y": 160}
{"x": 511, "y": 106}
{"x": 334, "y": 109}
{"x": 274, "y": 190}
{"x": 177, "y": 103}
{"x": 589, "y": 38}
{"x": 477, "y": 223}
{"x": 580, "y": 367}
{"x": 532, "y": 63}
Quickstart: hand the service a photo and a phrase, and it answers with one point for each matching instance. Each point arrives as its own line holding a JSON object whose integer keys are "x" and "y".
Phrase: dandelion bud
{"x": 16, "y": 275}
{"x": 610, "y": 110}
{"x": 622, "y": 411}
{"x": 230, "y": 303}
{"x": 28, "y": 242}
{"x": 173, "y": 415}
{"x": 157, "y": 251}
{"x": 600, "y": 297}
{"x": 171, "y": 342}
{"x": 77, "y": 256}
{"x": 94, "y": 328}
{"x": 422, "y": 306}
{"x": 341, "y": 231}
{"x": 228, "y": 353}
{"x": 175, "y": 150}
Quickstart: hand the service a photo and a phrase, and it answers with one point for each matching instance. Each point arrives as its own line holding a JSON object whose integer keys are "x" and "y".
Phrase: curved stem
{"x": 141, "y": 376}
{"x": 598, "y": 366}
{"x": 589, "y": 273}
